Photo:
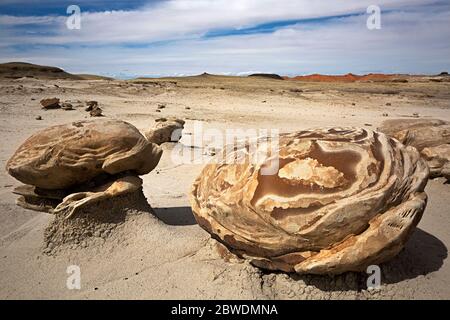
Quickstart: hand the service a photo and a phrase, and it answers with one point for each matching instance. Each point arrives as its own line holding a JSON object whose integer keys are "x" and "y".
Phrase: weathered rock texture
{"x": 430, "y": 136}
{"x": 63, "y": 156}
{"x": 165, "y": 130}
{"x": 341, "y": 199}
{"x": 69, "y": 167}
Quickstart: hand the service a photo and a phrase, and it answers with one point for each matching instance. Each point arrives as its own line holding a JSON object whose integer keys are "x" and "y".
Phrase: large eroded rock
{"x": 70, "y": 167}
{"x": 430, "y": 136}
{"x": 340, "y": 200}
{"x": 63, "y": 156}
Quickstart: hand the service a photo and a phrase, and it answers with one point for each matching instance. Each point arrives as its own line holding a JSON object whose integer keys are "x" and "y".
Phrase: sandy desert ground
{"x": 169, "y": 256}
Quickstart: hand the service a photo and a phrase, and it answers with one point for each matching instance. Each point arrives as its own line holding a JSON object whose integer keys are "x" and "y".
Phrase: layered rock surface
{"x": 337, "y": 200}
{"x": 430, "y": 136}
{"x": 69, "y": 167}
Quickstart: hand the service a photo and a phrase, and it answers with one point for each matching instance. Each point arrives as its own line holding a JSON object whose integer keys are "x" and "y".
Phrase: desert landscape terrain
{"x": 165, "y": 254}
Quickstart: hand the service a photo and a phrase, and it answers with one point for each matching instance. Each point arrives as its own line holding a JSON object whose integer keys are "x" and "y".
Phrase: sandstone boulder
{"x": 334, "y": 200}
{"x": 63, "y": 156}
{"x": 165, "y": 130}
{"x": 430, "y": 136}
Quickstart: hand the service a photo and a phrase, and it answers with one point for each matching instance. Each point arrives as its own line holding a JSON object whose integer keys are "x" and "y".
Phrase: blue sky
{"x": 183, "y": 37}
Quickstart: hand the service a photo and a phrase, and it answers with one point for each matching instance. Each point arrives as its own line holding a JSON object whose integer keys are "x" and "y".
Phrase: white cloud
{"x": 180, "y": 19}
{"x": 409, "y": 41}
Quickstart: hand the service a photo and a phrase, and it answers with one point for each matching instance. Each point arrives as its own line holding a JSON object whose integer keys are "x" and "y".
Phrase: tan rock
{"x": 340, "y": 200}
{"x": 438, "y": 159}
{"x": 67, "y": 106}
{"x": 76, "y": 201}
{"x": 63, "y": 156}
{"x": 165, "y": 130}
{"x": 430, "y": 136}
{"x": 91, "y": 104}
{"x": 96, "y": 112}
{"x": 52, "y": 103}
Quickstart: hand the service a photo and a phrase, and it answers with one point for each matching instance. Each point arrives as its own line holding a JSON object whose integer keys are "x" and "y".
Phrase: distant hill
{"x": 15, "y": 70}
{"x": 346, "y": 78}
{"x": 93, "y": 77}
{"x": 267, "y": 75}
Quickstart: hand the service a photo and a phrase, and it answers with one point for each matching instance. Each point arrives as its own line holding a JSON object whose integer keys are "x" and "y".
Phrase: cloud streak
{"x": 173, "y": 37}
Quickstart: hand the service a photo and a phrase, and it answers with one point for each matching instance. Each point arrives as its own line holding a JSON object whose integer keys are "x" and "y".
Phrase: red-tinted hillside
{"x": 345, "y": 78}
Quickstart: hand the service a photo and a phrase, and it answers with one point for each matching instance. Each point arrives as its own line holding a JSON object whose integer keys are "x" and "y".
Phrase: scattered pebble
{"x": 91, "y": 105}
{"x": 51, "y": 103}
{"x": 67, "y": 106}
{"x": 96, "y": 112}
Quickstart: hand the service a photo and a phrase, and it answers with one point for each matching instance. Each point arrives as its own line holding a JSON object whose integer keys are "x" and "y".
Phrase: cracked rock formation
{"x": 430, "y": 136}
{"x": 67, "y": 167}
{"x": 336, "y": 200}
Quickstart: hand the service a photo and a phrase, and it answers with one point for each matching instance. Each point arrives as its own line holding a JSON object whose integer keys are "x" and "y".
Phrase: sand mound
{"x": 93, "y": 225}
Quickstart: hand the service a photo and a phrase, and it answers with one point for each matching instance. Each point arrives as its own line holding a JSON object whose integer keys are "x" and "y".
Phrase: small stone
{"x": 66, "y": 106}
{"x": 52, "y": 103}
{"x": 38, "y": 118}
{"x": 91, "y": 103}
{"x": 96, "y": 112}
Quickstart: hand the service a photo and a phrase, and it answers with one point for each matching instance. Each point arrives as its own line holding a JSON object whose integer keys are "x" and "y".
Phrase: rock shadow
{"x": 423, "y": 254}
{"x": 175, "y": 216}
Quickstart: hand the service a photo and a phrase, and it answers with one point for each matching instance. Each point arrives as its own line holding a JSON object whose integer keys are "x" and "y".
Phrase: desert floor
{"x": 171, "y": 257}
